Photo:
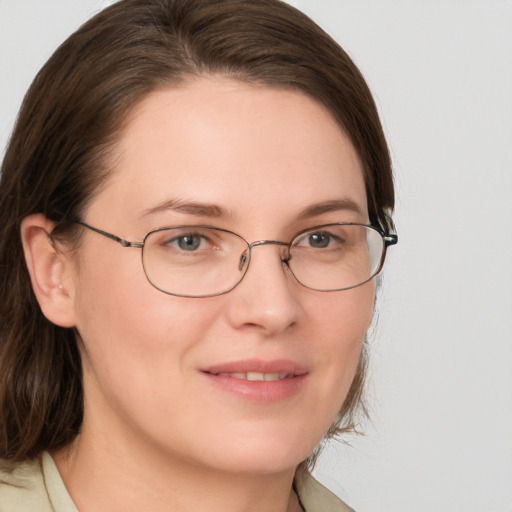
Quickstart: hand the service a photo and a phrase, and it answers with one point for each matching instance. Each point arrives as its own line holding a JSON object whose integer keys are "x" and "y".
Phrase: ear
{"x": 49, "y": 269}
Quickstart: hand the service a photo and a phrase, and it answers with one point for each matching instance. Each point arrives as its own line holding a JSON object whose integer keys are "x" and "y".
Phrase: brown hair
{"x": 72, "y": 116}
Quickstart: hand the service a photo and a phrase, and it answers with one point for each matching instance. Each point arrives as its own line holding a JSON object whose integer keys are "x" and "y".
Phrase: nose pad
{"x": 286, "y": 256}
{"x": 244, "y": 257}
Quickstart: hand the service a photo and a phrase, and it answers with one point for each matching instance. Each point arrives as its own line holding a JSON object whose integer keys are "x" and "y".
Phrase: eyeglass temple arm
{"x": 120, "y": 241}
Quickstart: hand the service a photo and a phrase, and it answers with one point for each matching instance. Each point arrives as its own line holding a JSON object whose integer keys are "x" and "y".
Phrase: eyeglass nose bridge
{"x": 246, "y": 255}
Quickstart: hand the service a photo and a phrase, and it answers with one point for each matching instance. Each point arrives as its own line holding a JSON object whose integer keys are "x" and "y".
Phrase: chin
{"x": 263, "y": 453}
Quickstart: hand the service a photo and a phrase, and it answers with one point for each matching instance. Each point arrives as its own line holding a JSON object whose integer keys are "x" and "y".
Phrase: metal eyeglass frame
{"x": 388, "y": 239}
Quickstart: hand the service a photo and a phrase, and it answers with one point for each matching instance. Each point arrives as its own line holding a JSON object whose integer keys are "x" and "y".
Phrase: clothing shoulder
{"x": 22, "y": 487}
{"x": 33, "y": 486}
{"x": 317, "y": 498}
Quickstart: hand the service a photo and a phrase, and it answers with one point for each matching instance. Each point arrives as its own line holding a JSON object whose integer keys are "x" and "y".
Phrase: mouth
{"x": 258, "y": 381}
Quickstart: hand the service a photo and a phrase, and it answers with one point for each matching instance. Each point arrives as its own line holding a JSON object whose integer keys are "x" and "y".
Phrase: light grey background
{"x": 440, "y": 439}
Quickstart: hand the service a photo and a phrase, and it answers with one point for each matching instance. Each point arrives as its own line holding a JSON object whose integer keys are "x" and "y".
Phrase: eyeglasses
{"x": 204, "y": 261}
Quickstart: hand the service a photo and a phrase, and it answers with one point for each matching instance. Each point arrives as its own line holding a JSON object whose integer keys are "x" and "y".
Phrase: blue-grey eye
{"x": 189, "y": 242}
{"x": 319, "y": 240}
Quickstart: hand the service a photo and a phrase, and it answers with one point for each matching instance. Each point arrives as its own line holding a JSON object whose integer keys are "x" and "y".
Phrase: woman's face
{"x": 159, "y": 370}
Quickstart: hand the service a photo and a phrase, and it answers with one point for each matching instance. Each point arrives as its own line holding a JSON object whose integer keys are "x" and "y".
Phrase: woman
{"x": 193, "y": 205}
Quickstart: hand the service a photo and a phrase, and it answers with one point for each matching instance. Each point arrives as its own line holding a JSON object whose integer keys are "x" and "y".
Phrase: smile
{"x": 258, "y": 381}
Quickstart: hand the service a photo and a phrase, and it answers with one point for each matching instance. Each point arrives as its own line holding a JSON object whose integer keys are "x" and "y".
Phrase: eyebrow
{"x": 334, "y": 205}
{"x": 216, "y": 211}
{"x": 189, "y": 208}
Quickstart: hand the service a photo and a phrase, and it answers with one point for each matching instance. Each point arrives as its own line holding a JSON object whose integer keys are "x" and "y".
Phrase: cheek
{"x": 342, "y": 325}
{"x": 342, "y": 320}
{"x": 131, "y": 332}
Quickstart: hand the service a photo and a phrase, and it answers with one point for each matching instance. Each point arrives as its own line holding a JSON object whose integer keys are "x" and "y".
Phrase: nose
{"x": 266, "y": 300}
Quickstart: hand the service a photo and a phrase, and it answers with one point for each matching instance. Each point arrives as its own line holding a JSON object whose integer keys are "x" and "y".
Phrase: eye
{"x": 191, "y": 241}
{"x": 317, "y": 240}
{"x": 188, "y": 242}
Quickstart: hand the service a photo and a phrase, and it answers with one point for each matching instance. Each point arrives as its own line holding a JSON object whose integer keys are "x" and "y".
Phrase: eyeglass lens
{"x": 200, "y": 261}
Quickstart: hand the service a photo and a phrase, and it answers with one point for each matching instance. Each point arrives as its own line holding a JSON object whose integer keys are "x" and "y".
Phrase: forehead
{"x": 245, "y": 147}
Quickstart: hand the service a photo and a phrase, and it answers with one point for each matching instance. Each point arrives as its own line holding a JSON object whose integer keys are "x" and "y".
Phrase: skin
{"x": 153, "y": 423}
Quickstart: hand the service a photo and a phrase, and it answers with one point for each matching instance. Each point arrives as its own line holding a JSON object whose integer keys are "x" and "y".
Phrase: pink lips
{"x": 257, "y": 380}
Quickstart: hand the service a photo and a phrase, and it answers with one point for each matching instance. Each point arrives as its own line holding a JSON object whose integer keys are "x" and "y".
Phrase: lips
{"x": 257, "y": 380}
